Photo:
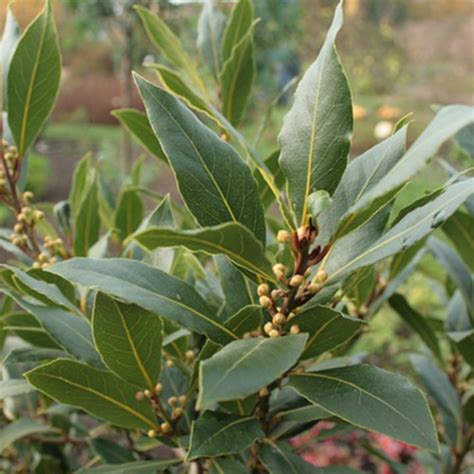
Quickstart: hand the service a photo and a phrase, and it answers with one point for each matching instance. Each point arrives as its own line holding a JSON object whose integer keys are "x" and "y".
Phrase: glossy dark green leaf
{"x": 360, "y": 176}
{"x": 446, "y": 123}
{"x": 19, "y": 429}
{"x": 327, "y": 329}
{"x": 149, "y": 288}
{"x": 138, "y": 125}
{"x": 441, "y": 390}
{"x": 33, "y": 79}
{"x": 218, "y": 434}
{"x": 416, "y": 321}
{"x": 409, "y": 230}
{"x": 373, "y": 399}
{"x": 227, "y": 465}
{"x": 98, "y": 392}
{"x": 237, "y": 77}
{"x": 169, "y": 44}
{"x": 235, "y": 372}
{"x": 211, "y": 26}
{"x": 457, "y": 271}
{"x": 230, "y": 239}
{"x": 316, "y": 133}
{"x": 129, "y": 213}
{"x": 129, "y": 340}
{"x": 214, "y": 192}
{"x": 87, "y": 222}
{"x": 72, "y": 333}
{"x": 249, "y": 318}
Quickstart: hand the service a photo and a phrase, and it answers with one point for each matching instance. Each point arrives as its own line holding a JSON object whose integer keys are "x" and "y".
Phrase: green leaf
{"x": 327, "y": 329}
{"x": 266, "y": 195}
{"x": 19, "y": 429}
{"x": 46, "y": 293}
{"x": 238, "y": 290}
{"x": 129, "y": 213}
{"x": 72, "y": 333}
{"x": 460, "y": 230}
{"x": 316, "y": 133}
{"x": 217, "y": 434}
{"x": 111, "y": 452}
{"x": 79, "y": 183}
{"x": 213, "y": 193}
{"x": 243, "y": 367}
{"x": 457, "y": 271}
{"x": 211, "y": 26}
{"x": 239, "y": 23}
{"x": 227, "y": 465}
{"x": 441, "y": 390}
{"x": 373, "y": 399}
{"x": 136, "y": 467}
{"x": 14, "y": 387}
{"x": 149, "y": 288}
{"x": 237, "y": 77}
{"x": 279, "y": 459}
{"x": 33, "y": 79}
{"x": 128, "y": 339}
{"x": 10, "y": 38}
{"x": 87, "y": 222}
{"x": 249, "y": 318}
{"x": 169, "y": 44}
{"x": 98, "y": 392}
{"x": 446, "y": 123}
{"x": 416, "y": 321}
{"x": 409, "y": 230}
{"x": 360, "y": 176}
{"x": 138, "y": 125}
{"x": 230, "y": 239}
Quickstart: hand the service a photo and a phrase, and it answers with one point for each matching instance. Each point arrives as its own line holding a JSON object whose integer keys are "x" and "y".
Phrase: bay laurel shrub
{"x": 203, "y": 335}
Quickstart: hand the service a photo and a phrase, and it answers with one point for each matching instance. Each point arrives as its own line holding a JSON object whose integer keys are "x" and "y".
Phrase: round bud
{"x": 264, "y": 392}
{"x": 301, "y": 232}
{"x": 313, "y": 288}
{"x": 43, "y": 257}
{"x": 169, "y": 363}
{"x": 176, "y": 413}
{"x": 247, "y": 335}
{"x": 265, "y": 301}
{"x": 52, "y": 260}
{"x": 283, "y": 236}
{"x": 27, "y": 196}
{"x": 165, "y": 427}
{"x": 363, "y": 310}
{"x": 172, "y": 401}
{"x": 295, "y": 329}
{"x": 274, "y": 333}
{"x": 190, "y": 355}
{"x": 152, "y": 433}
{"x": 36, "y": 265}
{"x": 321, "y": 276}
{"x": 279, "y": 270}
{"x": 268, "y": 327}
{"x": 279, "y": 319}
{"x": 38, "y": 215}
{"x": 224, "y": 136}
{"x": 299, "y": 370}
{"x": 296, "y": 280}
{"x": 182, "y": 399}
{"x": 158, "y": 388}
{"x": 147, "y": 393}
{"x": 140, "y": 395}
{"x": 26, "y": 211}
{"x": 263, "y": 289}
{"x": 18, "y": 228}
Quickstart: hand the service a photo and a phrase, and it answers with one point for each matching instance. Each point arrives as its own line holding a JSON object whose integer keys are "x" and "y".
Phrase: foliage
{"x": 206, "y": 335}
